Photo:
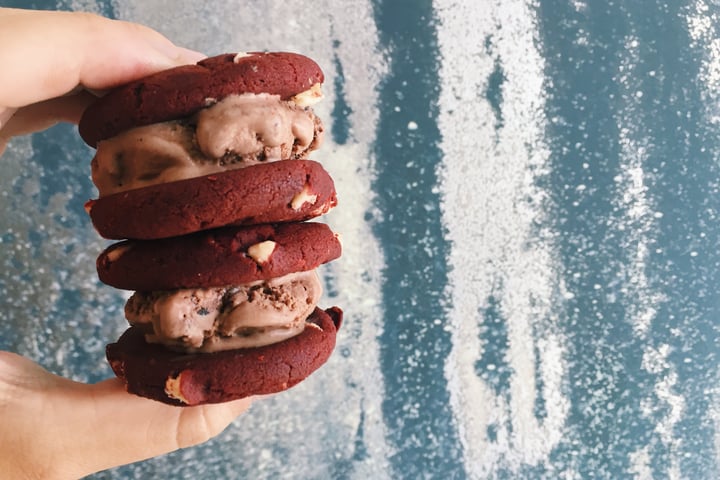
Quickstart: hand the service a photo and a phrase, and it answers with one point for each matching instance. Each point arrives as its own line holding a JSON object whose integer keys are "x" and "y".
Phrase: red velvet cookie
{"x": 226, "y": 256}
{"x": 152, "y": 371}
{"x": 282, "y": 191}
{"x": 181, "y": 91}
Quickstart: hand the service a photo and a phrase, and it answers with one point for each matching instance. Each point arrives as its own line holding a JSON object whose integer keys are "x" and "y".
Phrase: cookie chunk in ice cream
{"x": 235, "y": 132}
{"x": 226, "y": 318}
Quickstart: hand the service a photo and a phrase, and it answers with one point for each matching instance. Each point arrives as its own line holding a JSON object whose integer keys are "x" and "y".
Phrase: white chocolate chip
{"x": 309, "y": 97}
{"x": 322, "y": 209}
{"x": 313, "y": 325}
{"x": 240, "y": 55}
{"x": 172, "y": 389}
{"x": 302, "y": 197}
{"x": 260, "y": 252}
{"x": 117, "y": 252}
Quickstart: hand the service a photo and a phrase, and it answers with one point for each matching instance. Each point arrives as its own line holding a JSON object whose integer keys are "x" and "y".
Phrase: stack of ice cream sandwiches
{"x": 203, "y": 174}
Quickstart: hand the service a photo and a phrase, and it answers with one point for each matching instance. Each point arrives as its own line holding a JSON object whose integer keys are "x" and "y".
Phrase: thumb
{"x": 53, "y": 427}
{"x": 139, "y": 428}
{"x": 47, "y": 54}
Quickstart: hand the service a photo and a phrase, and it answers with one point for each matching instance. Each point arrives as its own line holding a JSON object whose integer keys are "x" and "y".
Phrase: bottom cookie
{"x": 152, "y": 371}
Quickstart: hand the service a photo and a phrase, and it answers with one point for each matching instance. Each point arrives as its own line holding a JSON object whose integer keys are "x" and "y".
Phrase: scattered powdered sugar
{"x": 54, "y": 309}
{"x": 491, "y": 206}
{"x": 702, "y": 22}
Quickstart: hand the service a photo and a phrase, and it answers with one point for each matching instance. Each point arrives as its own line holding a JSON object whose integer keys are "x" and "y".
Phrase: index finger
{"x": 46, "y": 54}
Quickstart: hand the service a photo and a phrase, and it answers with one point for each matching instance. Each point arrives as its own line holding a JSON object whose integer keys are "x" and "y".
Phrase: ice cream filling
{"x": 225, "y": 318}
{"x": 238, "y": 131}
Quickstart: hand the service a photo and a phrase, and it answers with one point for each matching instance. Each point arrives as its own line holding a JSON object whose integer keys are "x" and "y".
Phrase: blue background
{"x": 529, "y": 200}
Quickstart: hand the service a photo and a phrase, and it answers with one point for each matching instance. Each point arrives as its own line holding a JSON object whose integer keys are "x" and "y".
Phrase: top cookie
{"x": 181, "y": 91}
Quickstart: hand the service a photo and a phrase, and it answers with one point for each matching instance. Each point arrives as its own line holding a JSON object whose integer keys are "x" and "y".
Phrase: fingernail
{"x": 190, "y": 56}
{"x": 5, "y": 114}
{"x": 177, "y": 55}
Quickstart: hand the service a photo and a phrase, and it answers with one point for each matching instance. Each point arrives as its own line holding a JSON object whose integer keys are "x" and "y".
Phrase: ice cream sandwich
{"x": 222, "y": 142}
{"x": 204, "y": 171}
{"x": 237, "y": 302}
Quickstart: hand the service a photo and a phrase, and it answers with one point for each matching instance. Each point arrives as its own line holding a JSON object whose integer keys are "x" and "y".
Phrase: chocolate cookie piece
{"x": 152, "y": 371}
{"x": 226, "y": 256}
{"x": 282, "y": 191}
{"x": 181, "y": 91}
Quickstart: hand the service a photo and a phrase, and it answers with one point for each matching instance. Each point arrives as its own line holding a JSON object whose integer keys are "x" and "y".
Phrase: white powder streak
{"x": 640, "y": 218}
{"x": 655, "y": 361}
{"x": 491, "y": 207}
{"x": 640, "y": 464}
{"x": 331, "y": 403}
{"x": 703, "y": 23}
{"x": 714, "y": 414}
{"x": 642, "y": 300}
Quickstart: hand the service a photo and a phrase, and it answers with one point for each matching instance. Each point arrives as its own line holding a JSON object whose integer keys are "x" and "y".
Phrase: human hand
{"x": 51, "y": 61}
{"x": 53, "y": 427}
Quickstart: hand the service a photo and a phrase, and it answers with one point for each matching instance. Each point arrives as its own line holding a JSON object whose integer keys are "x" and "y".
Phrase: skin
{"x": 53, "y": 427}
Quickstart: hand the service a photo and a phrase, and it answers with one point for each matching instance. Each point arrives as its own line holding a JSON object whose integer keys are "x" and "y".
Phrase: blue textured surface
{"x": 528, "y": 201}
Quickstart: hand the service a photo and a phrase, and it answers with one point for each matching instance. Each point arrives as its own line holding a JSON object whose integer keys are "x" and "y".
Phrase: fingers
{"x": 56, "y": 428}
{"x": 47, "y": 54}
{"x": 42, "y": 115}
{"x": 5, "y": 114}
{"x": 147, "y": 428}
